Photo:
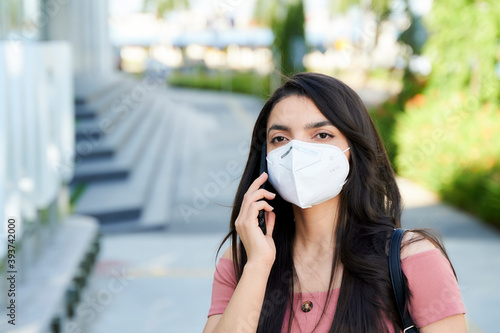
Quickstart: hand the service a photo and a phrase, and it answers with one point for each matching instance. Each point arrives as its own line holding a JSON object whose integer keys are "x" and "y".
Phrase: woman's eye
{"x": 324, "y": 135}
{"x": 277, "y": 139}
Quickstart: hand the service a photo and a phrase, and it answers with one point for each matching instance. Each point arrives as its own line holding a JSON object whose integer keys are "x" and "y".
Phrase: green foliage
{"x": 14, "y": 11}
{"x": 444, "y": 130}
{"x": 287, "y": 21}
{"x": 477, "y": 190}
{"x": 76, "y": 192}
{"x": 244, "y": 82}
{"x": 440, "y": 135}
{"x": 415, "y": 36}
{"x": 381, "y": 8}
{"x": 341, "y": 6}
{"x": 464, "y": 48}
{"x": 384, "y": 118}
{"x": 163, "y": 6}
{"x": 289, "y": 37}
{"x": 265, "y": 11}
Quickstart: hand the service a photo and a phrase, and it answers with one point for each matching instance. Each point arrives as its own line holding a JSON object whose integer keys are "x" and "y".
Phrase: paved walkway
{"x": 161, "y": 281}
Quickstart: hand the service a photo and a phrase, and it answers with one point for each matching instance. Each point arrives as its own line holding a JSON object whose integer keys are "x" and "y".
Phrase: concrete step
{"x": 89, "y": 88}
{"x": 120, "y": 164}
{"x": 92, "y": 129}
{"x": 158, "y": 207}
{"x": 42, "y": 299}
{"x": 105, "y": 101}
{"x": 159, "y": 201}
{"x": 107, "y": 141}
{"x": 124, "y": 199}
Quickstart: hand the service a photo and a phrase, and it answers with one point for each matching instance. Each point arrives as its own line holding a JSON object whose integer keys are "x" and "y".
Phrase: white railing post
{"x": 36, "y": 144}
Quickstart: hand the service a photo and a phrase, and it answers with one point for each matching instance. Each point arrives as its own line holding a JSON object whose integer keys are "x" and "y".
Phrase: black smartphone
{"x": 263, "y": 168}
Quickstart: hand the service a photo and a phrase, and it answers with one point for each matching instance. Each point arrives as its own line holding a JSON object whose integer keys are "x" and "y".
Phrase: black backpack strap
{"x": 397, "y": 280}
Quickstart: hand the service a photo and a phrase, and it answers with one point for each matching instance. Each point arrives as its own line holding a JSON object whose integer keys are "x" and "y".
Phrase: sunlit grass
{"x": 242, "y": 82}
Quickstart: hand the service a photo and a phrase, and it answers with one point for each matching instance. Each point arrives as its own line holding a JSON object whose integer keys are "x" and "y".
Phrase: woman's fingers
{"x": 257, "y": 183}
{"x": 261, "y": 193}
{"x": 259, "y": 247}
{"x": 253, "y": 212}
{"x": 259, "y": 205}
{"x": 270, "y": 219}
{"x": 254, "y": 193}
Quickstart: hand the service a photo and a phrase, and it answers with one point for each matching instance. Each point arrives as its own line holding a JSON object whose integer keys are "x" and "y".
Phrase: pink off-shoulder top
{"x": 435, "y": 293}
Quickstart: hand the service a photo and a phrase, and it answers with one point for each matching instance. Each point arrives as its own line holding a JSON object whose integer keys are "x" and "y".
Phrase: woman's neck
{"x": 314, "y": 229}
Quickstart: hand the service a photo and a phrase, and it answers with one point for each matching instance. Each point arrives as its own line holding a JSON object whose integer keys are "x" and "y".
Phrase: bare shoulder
{"x": 414, "y": 243}
{"x": 228, "y": 254}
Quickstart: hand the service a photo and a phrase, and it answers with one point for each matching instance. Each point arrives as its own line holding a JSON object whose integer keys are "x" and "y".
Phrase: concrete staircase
{"x": 126, "y": 147}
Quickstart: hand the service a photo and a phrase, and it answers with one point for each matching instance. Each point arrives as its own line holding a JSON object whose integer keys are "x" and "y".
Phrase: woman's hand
{"x": 244, "y": 308}
{"x": 260, "y": 248}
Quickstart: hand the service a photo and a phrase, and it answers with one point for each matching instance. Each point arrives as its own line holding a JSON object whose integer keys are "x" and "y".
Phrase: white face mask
{"x": 307, "y": 174}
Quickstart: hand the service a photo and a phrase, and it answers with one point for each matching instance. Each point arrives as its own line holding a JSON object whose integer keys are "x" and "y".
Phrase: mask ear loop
{"x": 342, "y": 151}
{"x": 347, "y": 164}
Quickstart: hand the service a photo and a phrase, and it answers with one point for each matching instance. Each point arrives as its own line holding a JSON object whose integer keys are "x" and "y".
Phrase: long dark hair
{"x": 369, "y": 210}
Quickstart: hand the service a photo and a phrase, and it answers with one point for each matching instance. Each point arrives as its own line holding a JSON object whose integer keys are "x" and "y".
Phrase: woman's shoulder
{"x": 226, "y": 260}
{"x": 435, "y": 293}
{"x": 224, "y": 271}
{"x": 414, "y": 243}
{"x": 228, "y": 254}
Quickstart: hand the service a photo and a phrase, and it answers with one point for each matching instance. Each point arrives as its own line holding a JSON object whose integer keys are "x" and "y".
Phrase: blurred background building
{"x": 125, "y": 125}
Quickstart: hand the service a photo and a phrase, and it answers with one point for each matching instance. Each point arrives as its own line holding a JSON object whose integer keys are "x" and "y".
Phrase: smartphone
{"x": 263, "y": 168}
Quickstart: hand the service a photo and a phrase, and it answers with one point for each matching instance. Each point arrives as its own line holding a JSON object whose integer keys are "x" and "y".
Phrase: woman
{"x": 331, "y": 204}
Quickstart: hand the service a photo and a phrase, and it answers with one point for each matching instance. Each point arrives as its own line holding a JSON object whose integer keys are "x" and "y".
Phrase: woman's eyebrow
{"x": 318, "y": 124}
{"x": 279, "y": 128}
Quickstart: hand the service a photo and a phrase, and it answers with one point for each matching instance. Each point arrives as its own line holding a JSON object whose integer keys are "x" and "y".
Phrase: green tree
{"x": 381, "y": 9}
{"x": 287, "y": 21}
{"x": 341, "y": 6}
{"x": 160, "y": 7}
{"x": 446, "y": 131}
{"x": 266, "y": 12}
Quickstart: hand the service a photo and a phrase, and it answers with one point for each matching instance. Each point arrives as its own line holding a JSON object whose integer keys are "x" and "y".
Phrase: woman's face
{"x": 298, "y": 118}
